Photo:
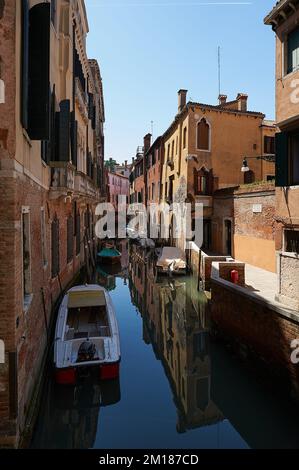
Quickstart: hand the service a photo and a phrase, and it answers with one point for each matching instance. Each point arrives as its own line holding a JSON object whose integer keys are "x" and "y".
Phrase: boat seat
{"x": 81, "y": 334}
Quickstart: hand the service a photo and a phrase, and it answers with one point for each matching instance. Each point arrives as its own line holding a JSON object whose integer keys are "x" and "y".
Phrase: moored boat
{"x": 86, "y": 335}
{"x": 109, "y": 255}
{"x": 172, "y": 260}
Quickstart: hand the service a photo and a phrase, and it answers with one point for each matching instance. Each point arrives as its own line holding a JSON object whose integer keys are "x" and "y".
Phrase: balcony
{"x": 62, "y": 179}
{"x": 81, "y": 99}
{"x": 84, "y": 186}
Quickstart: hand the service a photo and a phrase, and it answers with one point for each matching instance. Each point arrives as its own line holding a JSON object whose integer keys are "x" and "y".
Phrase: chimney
{"x": 182, "y": 99}
{"x": 242, "y": 101}
{"x": 222, "y": 99}
{"x": 147, "y": 142}
{"x": 133, "y": 160}
{"x": 126, "y": 164}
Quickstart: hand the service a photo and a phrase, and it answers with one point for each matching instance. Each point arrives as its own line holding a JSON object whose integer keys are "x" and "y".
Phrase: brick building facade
{"x": 284, "y": 21}
{"x": 51, "y": 177}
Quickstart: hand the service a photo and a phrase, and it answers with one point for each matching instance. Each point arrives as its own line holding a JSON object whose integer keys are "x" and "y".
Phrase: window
{"x": 176, "y": 145}
{"x": 170, "y": 195}
{"x": 78, "y": 233}
{"x": 168, "y": 152}
{"x": 202, "y": 182}
{"x": 293, "y": 51}
{"x": 172, "y": 150}
{"x": 269, "y": 145}
{"x": 292, "y": 241}
{"x": 149, "y": 192}
{"x": 249, "y": 177}
{"x": 55, "y": 247}
{"x": 26, "y": 252}
{"x": 203, "y": 135}
{"x": 70, "y": 239}
{"x": 185, "y": 137}
{"x": 153, "y": 191}
{"x": 43, "y": 237}
{"x": 294, "y": 159}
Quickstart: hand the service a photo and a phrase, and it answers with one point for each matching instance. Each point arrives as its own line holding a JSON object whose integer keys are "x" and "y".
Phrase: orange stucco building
{"x": 204, "y": 151}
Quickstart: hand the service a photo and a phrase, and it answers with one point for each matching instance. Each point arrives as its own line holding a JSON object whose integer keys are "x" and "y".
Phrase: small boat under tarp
{"x": 172, "y": 261}
{"x": 86, "y": 335}
{"x": 109, "y": 255}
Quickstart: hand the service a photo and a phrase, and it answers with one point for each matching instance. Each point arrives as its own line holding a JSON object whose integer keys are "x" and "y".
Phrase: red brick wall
{"x": 258, "y": 326}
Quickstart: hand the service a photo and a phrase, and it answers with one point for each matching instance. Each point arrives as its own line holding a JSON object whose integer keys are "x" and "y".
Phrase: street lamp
{"x": 268, "y": 158}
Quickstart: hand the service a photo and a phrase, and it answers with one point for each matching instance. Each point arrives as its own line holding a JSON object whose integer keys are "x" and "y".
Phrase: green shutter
{"x": 39, "y": 72}
{"x": 63, "y": 137}
{"x": 74, "y": 139}
{"x": 293, "y": 50}
{"x": 282, "y": 160}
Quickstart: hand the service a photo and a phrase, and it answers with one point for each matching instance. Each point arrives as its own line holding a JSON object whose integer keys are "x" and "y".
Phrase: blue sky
{"x": 149, "y": 49}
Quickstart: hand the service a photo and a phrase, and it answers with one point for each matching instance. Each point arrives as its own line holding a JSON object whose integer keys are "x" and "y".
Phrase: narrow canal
{"x": 178, "y": 387}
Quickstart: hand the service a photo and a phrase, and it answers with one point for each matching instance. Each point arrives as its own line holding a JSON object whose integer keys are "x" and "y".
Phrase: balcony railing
{"x": 84, "y": 185}
{"x": 62, "y": 179}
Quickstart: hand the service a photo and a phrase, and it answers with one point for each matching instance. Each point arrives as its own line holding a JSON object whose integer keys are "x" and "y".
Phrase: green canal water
{"x": 178, "y": 386}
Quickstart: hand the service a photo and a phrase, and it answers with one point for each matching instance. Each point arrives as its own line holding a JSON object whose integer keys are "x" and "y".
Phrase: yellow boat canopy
{"x": 92, "y": 298}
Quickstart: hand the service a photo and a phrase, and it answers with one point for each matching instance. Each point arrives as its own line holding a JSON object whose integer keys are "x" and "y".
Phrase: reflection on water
{"x": 179, "y": 389}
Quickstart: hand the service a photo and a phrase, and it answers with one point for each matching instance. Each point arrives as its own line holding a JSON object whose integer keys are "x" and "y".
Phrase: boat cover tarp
{"x": 79, "y": 299}
{"x": 109, "y": 253}
{"x": 172, "y": 255}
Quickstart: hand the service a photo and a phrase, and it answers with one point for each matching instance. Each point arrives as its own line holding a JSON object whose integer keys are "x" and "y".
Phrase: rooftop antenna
{"x": 219, "y": 70}
{"x": 152, "y": 128}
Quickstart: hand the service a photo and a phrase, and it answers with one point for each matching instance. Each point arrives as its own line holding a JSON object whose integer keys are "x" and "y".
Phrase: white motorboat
{"x": 86, "y": 335}
{"x": 172, "y": 261}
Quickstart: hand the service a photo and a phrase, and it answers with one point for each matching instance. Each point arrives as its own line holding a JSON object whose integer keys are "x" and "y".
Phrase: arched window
{"x": 203, "y": 135}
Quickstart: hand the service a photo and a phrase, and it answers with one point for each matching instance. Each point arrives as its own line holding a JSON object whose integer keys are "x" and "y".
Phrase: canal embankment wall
{"x": 264, "y": 328}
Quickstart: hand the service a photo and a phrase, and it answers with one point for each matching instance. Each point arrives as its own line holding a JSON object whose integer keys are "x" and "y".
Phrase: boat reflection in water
{"x": 71, "y": 414}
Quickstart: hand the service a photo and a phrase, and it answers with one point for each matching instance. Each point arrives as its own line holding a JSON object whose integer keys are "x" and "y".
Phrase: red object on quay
{"x": 234, "y": 275}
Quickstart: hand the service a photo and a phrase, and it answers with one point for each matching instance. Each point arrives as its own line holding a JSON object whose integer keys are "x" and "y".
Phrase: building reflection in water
{"x": 175, "y": 321}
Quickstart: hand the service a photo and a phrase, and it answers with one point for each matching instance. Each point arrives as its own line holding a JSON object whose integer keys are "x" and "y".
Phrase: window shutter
{"x": 39, "y": 72}
{"x": 94, "y": 114}
{"x": 70, "y": 239}
{"x": 293, "y": 50}
{"x": 74, "y": 139}
{"x": 63, "y": 137}
{"x": 90, "y": 106}
{"x": 282, "y": 159}
{"x": 25, "y": 64}
{"x": 78, "y": 233}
